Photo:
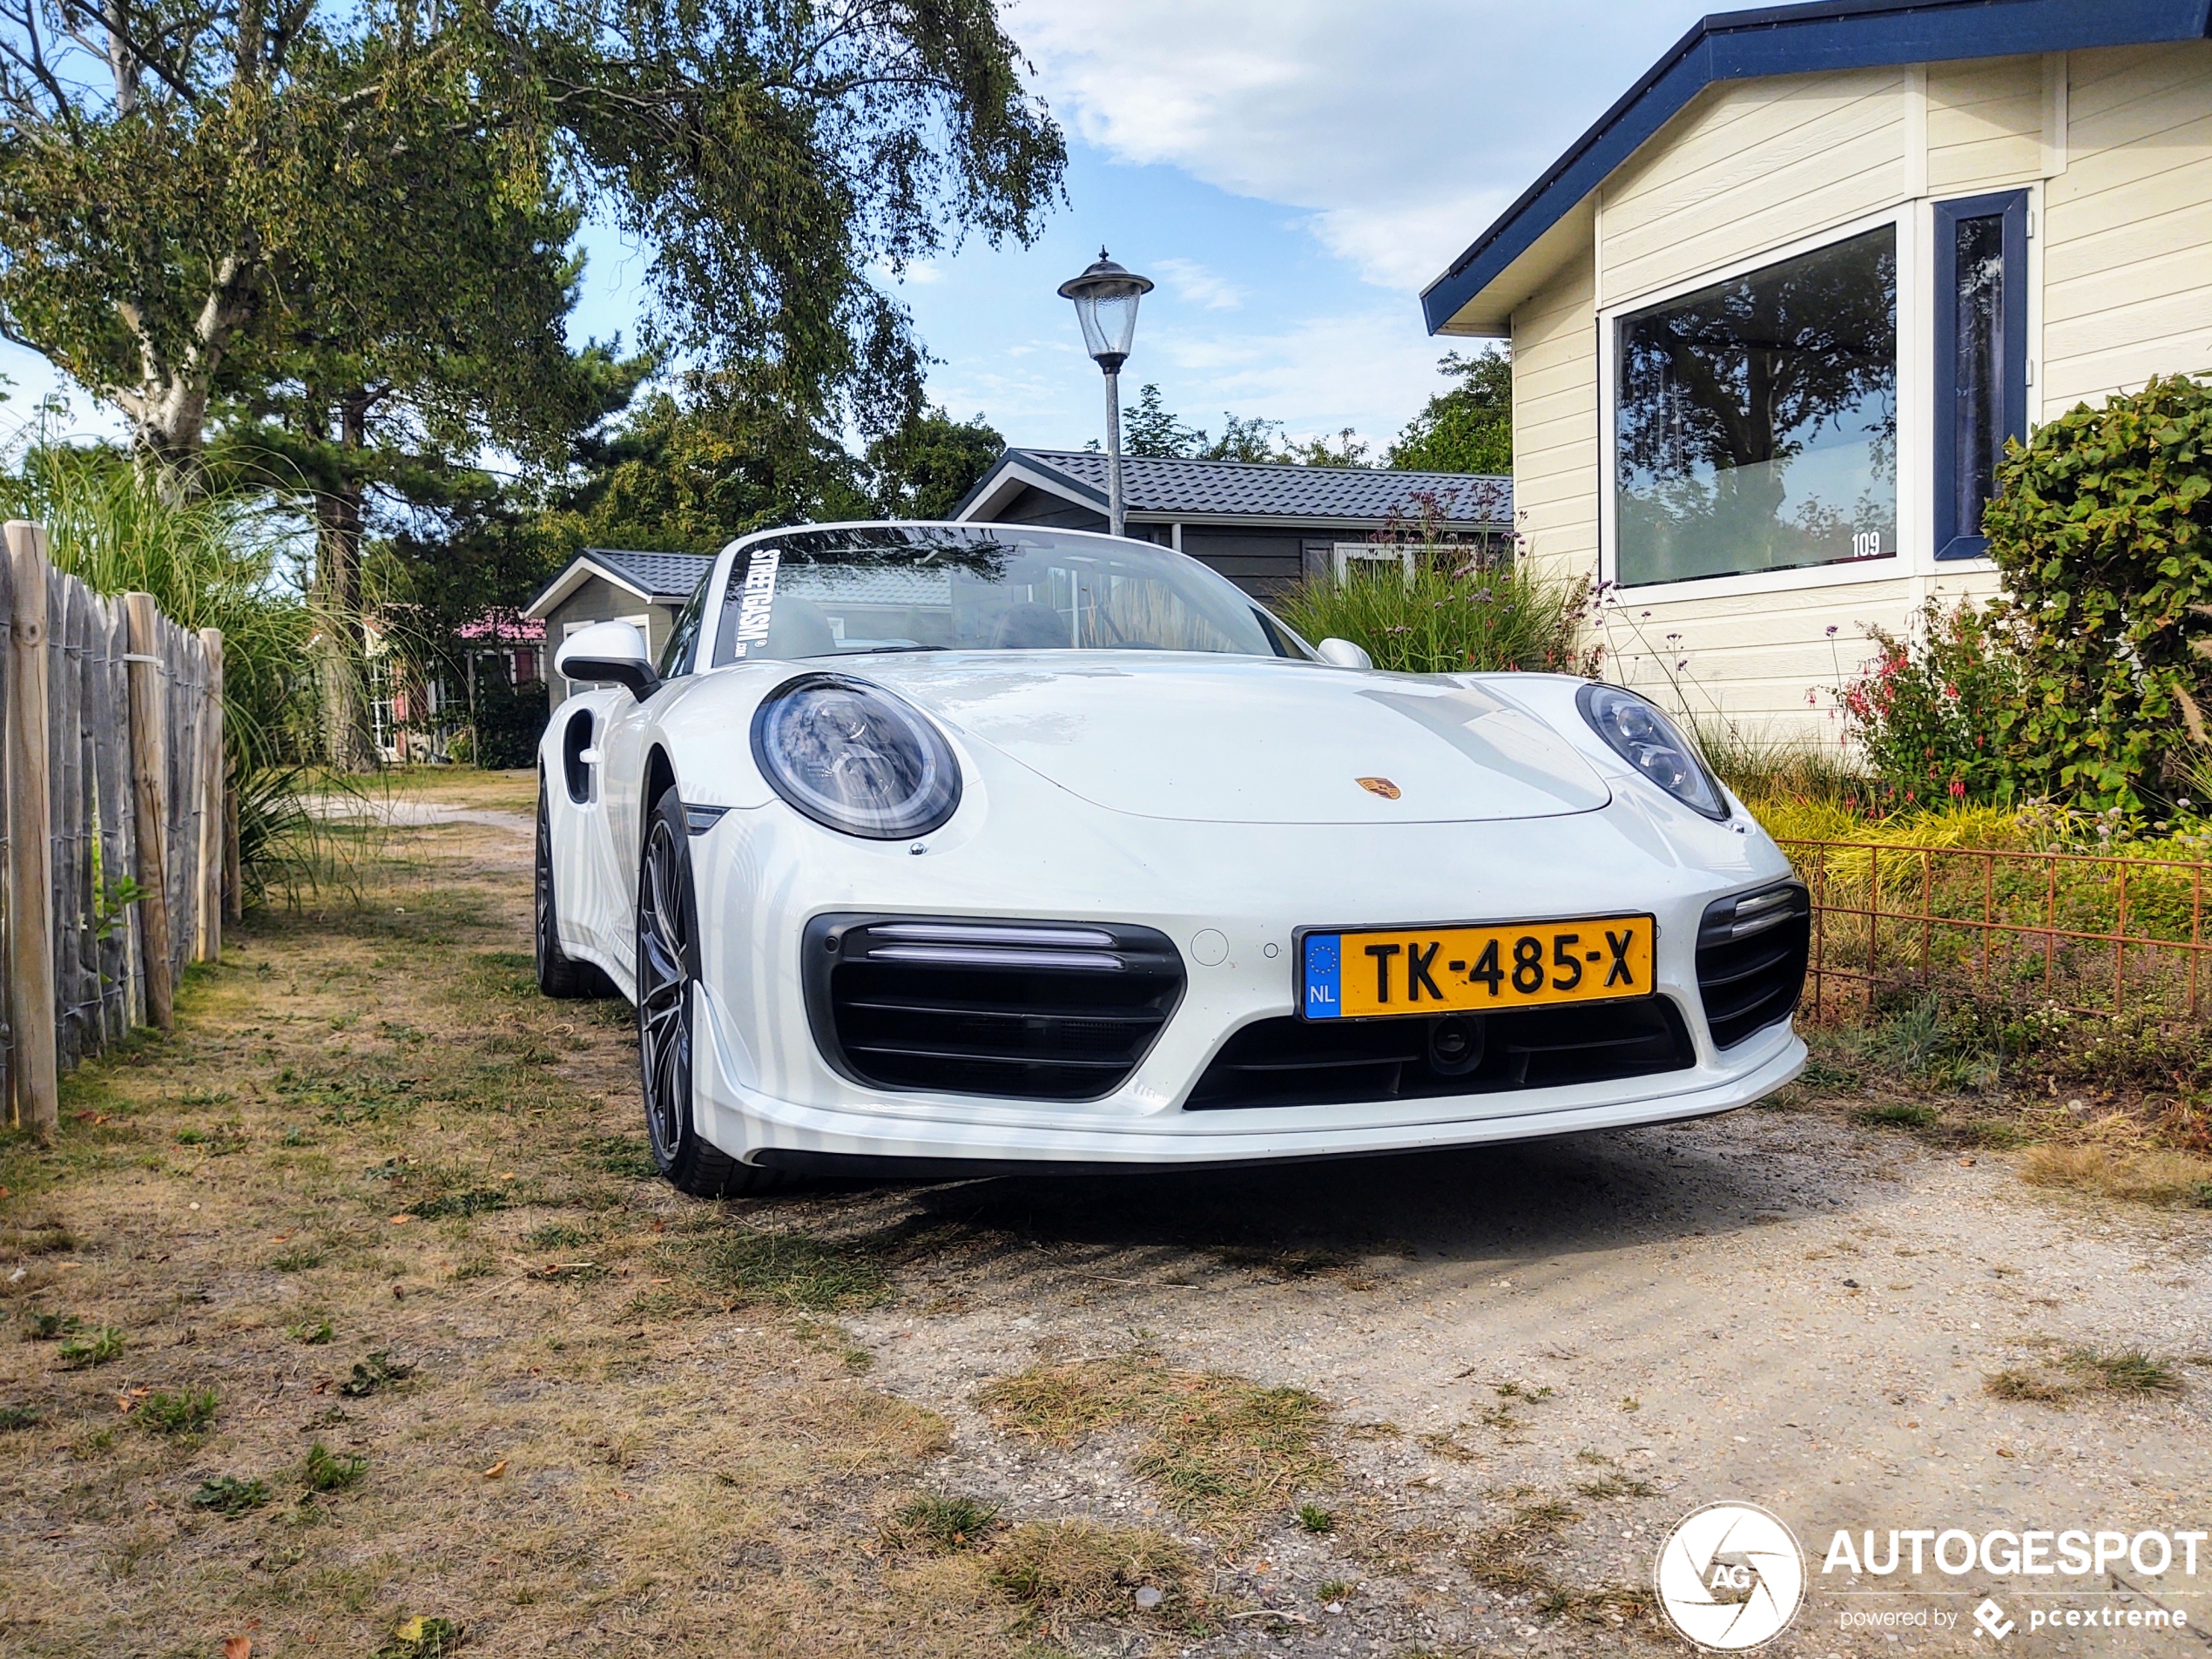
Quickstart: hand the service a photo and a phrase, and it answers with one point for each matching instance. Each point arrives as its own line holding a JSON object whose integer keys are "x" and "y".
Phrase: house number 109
{"x": 1866, "y": 545}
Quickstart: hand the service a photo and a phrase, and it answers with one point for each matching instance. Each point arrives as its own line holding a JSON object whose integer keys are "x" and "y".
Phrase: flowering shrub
{"x": 1927, "y": 714}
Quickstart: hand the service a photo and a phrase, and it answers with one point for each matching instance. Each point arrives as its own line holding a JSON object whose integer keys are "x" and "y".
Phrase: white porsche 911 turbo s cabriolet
{"x": 937, "y": 848}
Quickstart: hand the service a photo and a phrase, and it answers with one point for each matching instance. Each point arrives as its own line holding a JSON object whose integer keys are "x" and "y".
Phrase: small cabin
{"x": 1263, "y": 525}
{"x": 610, "y": 584}
{"x": 1775, "y": 316}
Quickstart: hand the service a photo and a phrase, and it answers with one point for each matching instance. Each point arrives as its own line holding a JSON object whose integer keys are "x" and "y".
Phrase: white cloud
{"x": 1192, "y": 281}
{"x": 1317, "y": 374}
{"x": 1403, "y": 127}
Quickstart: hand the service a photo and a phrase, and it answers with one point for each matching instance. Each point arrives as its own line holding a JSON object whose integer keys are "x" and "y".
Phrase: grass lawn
{"x": 351, "y": 1316}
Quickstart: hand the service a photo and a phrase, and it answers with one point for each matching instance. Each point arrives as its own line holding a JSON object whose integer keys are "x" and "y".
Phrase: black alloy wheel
{"x": 668, "y": 969}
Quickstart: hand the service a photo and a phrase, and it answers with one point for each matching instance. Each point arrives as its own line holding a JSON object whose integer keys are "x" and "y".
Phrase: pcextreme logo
{"x": 1731, "y": 1576}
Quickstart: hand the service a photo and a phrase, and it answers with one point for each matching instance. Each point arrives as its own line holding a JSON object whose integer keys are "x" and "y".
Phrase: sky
{"x": 1289, "y": 172}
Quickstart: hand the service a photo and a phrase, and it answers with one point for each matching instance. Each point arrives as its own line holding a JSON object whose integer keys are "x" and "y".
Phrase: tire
{"x": 558, "y": 975}
{"x": 668, "y": 969}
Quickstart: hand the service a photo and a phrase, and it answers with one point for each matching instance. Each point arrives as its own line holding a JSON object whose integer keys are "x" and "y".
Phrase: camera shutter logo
{"x": 1731, "y": 1576}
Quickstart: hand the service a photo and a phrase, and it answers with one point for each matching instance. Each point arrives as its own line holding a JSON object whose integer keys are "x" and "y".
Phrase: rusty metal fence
{"x": 2068, "y": 933}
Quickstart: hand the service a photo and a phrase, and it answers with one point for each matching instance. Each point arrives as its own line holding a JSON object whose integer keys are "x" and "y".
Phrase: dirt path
{"x": 376, "y": 1195}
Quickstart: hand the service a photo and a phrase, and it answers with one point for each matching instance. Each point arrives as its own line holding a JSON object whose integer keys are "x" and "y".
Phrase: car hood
{"x": 1240, "y": 740}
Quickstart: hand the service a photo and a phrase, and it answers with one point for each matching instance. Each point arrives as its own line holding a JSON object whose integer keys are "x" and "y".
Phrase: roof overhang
{"x": 1535, "y": 236}
{"x": 1009, "y": 476}
{"x": 581, "y": 570}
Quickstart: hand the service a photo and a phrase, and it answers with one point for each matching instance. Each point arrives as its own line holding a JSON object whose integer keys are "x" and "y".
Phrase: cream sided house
{"x": 1773, "y": 317}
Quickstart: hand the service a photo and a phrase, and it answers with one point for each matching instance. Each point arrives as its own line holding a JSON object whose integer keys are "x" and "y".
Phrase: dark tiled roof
{"x": 665, "y": 575}
{"x": 1202, "y": 489}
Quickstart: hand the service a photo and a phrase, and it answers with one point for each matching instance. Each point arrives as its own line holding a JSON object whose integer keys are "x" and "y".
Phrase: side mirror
{"x": 1342, "y": 653}
{"x": 608, "y": 650}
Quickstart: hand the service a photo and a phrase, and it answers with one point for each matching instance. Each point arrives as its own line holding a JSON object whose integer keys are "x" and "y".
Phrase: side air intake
{"x": 1026, "y": 1010}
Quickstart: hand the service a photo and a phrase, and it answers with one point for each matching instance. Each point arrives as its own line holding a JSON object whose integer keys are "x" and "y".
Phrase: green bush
{"x": 1474, "y": 616}
{"x": 510, "y": 719}
{"x": 2103, "y": 530}
{"x": 1921, "y": 714}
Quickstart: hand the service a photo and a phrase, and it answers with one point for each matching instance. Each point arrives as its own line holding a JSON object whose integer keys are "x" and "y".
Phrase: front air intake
{"x": 1751, "y": 951}
{"x": 1289, "y": 1062}
{"x": 1024, "y": 1010}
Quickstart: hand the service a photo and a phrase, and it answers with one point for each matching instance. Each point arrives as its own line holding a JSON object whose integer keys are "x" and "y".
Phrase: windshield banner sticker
{"x": 754, "y": 602}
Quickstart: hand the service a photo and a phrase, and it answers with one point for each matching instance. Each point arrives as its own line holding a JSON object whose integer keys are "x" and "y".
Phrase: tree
{"x": 1469, "y": 428}
{"x": 1247, "y": 440}
{"x": 692, "y": 469}
{"x": 1349, "y": 449}
{"x": 766, "y": 156}
{"x": 1149, "y": 429}
{"x": 378, "y": 379}
{"x": 926, "y": 468}
{"x": 347, "y": 225}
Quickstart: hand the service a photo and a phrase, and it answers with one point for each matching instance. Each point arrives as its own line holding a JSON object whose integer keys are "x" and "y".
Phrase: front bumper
{"x": 927, "y": 1130}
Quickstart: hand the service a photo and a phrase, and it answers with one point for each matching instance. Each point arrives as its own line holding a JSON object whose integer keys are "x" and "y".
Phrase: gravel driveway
{"x": 1771, "y": 1306}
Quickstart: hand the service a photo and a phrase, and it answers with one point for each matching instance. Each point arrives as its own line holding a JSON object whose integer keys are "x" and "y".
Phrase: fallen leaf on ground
{"x": 401, "y": 1221}
{"x": 238, "y": 1648}
{"x": 496, "y": 1470}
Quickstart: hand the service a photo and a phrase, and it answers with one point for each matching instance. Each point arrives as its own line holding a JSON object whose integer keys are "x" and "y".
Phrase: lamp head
{"x": 1105, "y": 297}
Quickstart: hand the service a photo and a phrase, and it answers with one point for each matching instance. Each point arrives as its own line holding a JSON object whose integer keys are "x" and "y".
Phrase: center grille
{"x": 1289, "y": 1062}
{"x": 1027, "y": 1010}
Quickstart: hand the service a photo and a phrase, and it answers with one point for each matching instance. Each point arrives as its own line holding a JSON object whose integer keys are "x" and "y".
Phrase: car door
{"x": 591, "y": 908}
{"x": 624, "y": 746}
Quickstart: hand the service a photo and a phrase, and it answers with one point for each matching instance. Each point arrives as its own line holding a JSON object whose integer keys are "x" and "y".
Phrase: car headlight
{"x": 1645, "y": 739}
{"x": 850, "y": 755}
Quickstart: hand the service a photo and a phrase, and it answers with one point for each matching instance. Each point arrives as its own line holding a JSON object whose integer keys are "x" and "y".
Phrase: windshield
{"x": 930, "y": 587}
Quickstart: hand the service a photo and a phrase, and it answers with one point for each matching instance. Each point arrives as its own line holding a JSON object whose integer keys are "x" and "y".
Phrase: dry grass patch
{"x": 2137, "y": 1174}
{"x": 1512, "y": 1555}
{"x": 1222, "y": 1450}
{"x": 2069, "y": 1372}
{"x": 1498, "y": 1556}
{"x": 789, "y": 1268}
{"x": 1063, "y": 1572}
{"x": 588, "y": 1463}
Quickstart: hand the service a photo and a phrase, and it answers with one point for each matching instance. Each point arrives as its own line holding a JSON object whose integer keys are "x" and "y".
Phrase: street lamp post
{"x": 1105, "y": 297}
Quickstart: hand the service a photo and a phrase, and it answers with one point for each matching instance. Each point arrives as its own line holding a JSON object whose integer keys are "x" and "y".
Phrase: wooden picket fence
{"x": 119, "y": 840}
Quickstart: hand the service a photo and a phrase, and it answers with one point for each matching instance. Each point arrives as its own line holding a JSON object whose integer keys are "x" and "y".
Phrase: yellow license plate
{"x": 1380, "y": 972}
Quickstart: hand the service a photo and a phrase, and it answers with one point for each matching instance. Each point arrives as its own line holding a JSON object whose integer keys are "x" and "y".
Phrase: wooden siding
{"x": 1556, "y": 466}
{"x": 1035, "y": 506}
{"x": 1750, "y": 168}
{"x": 1261, "y": 561}
{"x": 1765, "y": 662}
{"x": 1985, "y": 124}
{"x": 2128, "y": 226}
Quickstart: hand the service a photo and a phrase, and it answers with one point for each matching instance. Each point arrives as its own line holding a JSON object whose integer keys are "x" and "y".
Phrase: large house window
{"x": 1755, "y": 420}
{"x": 1980, "y": 358}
